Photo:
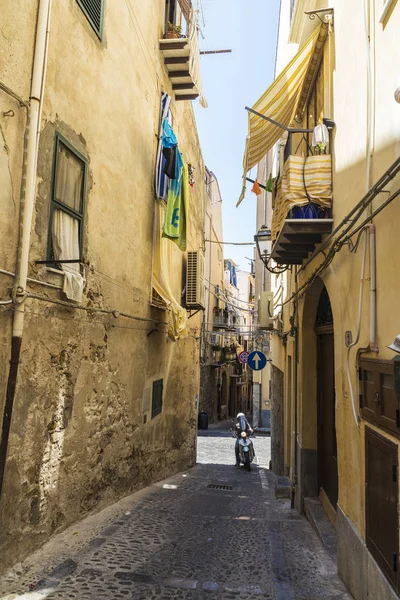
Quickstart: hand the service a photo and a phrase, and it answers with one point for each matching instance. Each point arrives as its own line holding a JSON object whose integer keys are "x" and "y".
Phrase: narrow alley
{"x": 214, "y": 531}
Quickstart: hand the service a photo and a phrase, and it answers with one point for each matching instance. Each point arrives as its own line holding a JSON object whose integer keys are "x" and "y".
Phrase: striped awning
{"x": 282, "y": 100}
{"x": 186, "y": 8}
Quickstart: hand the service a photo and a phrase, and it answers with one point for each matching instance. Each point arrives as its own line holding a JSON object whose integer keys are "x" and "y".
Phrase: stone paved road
{"x": 213, "y": 532}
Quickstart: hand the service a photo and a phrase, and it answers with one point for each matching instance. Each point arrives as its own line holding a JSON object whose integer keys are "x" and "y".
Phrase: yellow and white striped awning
{"x": 280, "y": 101}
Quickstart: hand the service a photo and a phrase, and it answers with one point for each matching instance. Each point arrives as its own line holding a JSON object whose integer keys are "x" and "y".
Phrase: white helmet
{"x": 240, "y": 415}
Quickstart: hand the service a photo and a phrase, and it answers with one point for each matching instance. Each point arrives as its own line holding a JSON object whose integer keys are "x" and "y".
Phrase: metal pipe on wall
{"x": 295, "y": 375}
{"x": 27, "y": 206}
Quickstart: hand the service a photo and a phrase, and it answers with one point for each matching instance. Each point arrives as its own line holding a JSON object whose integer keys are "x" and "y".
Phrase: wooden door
{"x": 381, "y": 463}
{"x": 326, "y": 414}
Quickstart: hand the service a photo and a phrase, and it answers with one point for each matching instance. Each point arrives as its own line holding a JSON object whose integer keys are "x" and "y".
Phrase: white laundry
{"x": 320, "y": 135}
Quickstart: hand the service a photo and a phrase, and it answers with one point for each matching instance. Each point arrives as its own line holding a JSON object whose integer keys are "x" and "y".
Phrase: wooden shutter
{"x": 381, "y": 462}
{"x": 378, "y": 400}
{"x": 93, "y": 10}
{"x": 157, "y": 399}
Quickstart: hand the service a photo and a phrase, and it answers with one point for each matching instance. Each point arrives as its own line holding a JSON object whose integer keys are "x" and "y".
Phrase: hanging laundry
{"x": 168, "y": 138}
{"x": 170, "y": 161}
{"x": 269, "y": 184}
{"x": 320, "y": 137}
{"x": 256, "y": 188}
{"x": 176, "y": 216}
{"x": 161, "y": 180}
{"x": 234, "y": 277}
{"x": 191, "y": 175}
{"x": 163, "y": 271}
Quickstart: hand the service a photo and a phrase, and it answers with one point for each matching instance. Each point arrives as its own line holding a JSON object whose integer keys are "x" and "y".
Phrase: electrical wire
{"x": 231, "y": 243}
{"x": 116, "y": 313}
{"x": 90, "y": 321}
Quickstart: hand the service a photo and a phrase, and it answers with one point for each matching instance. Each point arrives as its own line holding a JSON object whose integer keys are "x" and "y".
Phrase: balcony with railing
{"x": 225, "y": 320}
{"x": 302, "y": 196}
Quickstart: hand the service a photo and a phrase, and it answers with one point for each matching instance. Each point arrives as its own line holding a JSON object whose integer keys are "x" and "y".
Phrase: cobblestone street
{"x": 213, "y": 532}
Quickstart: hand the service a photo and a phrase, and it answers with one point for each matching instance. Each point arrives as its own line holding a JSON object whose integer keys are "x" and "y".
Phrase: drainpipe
{"x": 296, "y": 358}
{"x": 372, "y": 262}
{"x": 27, "y": 204}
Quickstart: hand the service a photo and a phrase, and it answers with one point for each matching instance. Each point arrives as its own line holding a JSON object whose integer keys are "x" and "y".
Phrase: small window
{"x": 67, "y": 204}
{"x": 93, "y": 10}
{"x": 157, "y": 399}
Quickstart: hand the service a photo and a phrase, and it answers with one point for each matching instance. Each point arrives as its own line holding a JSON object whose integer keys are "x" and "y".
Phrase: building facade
{"x": 101, "y": 394}
{"x": 335, "y": 162}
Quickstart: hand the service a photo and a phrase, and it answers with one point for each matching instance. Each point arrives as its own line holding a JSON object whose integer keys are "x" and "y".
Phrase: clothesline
{"x": 231, "y": 243}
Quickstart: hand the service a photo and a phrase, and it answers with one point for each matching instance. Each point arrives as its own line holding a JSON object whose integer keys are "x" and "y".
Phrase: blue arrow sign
{"x": 257, "y": 360}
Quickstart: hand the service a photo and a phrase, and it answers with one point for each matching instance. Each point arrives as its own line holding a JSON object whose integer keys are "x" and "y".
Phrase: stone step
{"x": 282, "y": 487}
{"x": 318, "y": 518}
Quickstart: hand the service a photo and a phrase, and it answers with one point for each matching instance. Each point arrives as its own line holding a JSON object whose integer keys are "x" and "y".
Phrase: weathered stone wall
{"x": 78, "y": 437}
{"x": 209, "y": 392}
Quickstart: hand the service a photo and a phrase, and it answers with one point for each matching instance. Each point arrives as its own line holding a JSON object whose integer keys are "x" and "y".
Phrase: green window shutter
{"x": 157, "y": 399}
{"x": 93, "y": 10}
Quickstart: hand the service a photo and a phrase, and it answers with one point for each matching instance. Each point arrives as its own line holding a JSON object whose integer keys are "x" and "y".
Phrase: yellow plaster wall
{"x": 96, "y": 371}
{"x": 342, "y": 278}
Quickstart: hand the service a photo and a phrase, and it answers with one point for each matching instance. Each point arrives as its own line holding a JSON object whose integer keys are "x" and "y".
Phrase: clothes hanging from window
{"x": 161, "y": 180}
{"x": 234, "y": 277}
{"x": 168, "y": 138}
{"x": 256, "y": 188}
{"x": 176, "y": 216}
{"x": 170, "y": 162}
{"x": 269, "y": 184}
{"x": 65, "y": 238}
{"x": 320, "y": 136}
{"x": 162, "y": 274}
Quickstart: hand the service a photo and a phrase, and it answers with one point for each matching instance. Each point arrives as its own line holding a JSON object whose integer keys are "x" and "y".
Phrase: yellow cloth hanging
{"x": 162, "y": 272}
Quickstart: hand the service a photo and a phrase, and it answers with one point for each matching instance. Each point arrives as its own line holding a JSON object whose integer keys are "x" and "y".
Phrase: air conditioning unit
{"x": 195, "y": 280}
{"x": 265, "y": 310}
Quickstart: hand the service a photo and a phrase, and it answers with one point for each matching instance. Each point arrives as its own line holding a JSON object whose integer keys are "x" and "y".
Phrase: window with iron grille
{"x": 157, "y": 398}
{"x": 93, "y": 10}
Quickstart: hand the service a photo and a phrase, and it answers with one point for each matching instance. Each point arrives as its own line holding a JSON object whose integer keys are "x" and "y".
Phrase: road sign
{"x": 243, "y": 356}
{"x": 257, "y": 360}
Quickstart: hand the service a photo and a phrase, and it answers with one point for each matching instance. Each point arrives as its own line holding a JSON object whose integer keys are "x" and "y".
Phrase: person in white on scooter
{"x": 242, "y": 424}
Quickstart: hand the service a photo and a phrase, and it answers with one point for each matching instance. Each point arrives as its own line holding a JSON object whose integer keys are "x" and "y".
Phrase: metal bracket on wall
{"x": 192, "y": 314}
{"x": 313, "y": 14}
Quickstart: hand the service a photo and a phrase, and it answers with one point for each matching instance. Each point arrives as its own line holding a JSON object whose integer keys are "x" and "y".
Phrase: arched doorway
{"x": 327, "y": 469}
{"x": 317, "y": 456}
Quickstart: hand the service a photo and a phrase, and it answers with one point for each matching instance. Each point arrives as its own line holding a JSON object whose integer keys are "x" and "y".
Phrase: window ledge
{"x": 57, "y": 271}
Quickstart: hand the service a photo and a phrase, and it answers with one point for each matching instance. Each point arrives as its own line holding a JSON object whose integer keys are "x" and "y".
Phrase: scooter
{"x": 246, "y": 450}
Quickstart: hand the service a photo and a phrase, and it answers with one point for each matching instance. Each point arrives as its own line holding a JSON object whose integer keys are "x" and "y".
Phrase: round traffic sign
{"x": 257, "y": 360}
{"x": 243, "y": 356}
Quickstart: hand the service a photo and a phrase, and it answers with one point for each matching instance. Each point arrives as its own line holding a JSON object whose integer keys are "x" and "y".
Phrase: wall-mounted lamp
{"x": 263, "y": 240}
{"x": 397, "y": 94}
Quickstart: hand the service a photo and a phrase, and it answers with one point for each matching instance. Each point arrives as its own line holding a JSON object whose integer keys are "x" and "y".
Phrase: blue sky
{"x": 231, "y": 82}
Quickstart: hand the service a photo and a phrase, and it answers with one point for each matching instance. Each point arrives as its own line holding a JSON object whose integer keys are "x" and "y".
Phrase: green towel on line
{"x": 176, "y": 217}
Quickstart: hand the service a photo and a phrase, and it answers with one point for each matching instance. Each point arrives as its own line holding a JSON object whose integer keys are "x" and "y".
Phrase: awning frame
{"x": 288, "y": 129}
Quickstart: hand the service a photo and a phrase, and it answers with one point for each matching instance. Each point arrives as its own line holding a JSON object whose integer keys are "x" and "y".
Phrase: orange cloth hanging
{"x": 256, "y": 188}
